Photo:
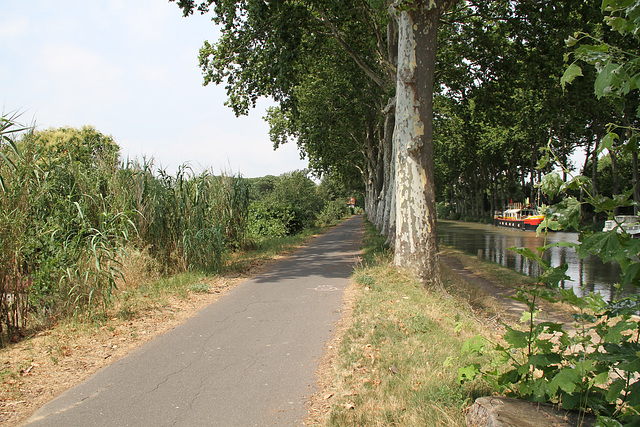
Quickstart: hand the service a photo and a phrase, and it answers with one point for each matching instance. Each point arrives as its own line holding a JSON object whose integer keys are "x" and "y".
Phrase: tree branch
{"x": 336, "y": 34}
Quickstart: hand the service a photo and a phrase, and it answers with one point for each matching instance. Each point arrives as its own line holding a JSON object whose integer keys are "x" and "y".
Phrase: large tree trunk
{"x": 416, "y": 243}
{"x": 389, "y": 169}
{"x": 388, "y": 223}
{"x": 614, "y": 174}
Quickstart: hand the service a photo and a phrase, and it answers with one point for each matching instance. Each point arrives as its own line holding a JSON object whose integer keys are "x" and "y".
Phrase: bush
{"x": 265, "y": 220}
{"x": 443, "y": 209}
{"x": 332, "y": 212}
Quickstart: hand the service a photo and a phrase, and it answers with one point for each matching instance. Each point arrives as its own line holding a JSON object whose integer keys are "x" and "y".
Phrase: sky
{"x": 130, "y": 69}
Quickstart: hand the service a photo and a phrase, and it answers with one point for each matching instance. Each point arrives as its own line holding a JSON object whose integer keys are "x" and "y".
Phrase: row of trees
{"x": 492, "y": 128}
{"x": 354, "y": 89}
{"x": 362, "y": 91}
{"x": 71, "y": 214}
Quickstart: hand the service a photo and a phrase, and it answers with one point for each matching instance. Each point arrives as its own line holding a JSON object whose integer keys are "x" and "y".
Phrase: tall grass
{"x": 186, "y": 220}
{"x": 70, "y": 213}
{"x": 14, "y": 210}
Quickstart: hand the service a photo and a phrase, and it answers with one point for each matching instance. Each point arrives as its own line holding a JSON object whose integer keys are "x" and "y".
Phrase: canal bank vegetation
{"x": 590, "y": 365}
{"x": 494, "y": 118}
{"x": 80, "y": 229}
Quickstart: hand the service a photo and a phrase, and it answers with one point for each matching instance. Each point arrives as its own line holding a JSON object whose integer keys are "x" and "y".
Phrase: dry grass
{"x": 396, "y": 355}
{"x": 398, "y": 360}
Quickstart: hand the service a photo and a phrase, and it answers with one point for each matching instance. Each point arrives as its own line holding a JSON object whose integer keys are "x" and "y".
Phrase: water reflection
{"x": 587, "y": 275}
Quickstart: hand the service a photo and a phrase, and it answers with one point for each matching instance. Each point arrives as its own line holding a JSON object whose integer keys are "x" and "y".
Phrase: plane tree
{"x": 338, "y": 122}
{"x": 258, "y": 54}
{"x": 509, "y": 56}
{"x": 287, "y": 50}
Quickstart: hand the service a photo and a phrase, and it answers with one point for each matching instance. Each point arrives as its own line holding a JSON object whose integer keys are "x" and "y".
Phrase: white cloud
{"x": 11, "y": 28}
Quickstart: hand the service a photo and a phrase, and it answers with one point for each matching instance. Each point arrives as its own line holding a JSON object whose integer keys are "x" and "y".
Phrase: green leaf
{"x": 616, "y": 23}
{"x": 605, "y": 245}
{"x": 570, "y": 74}
{"x": 543, "y": 361}
{"x": 473, "y": 345}
{"x": 630, "y": 273}
{"x": 543, "y": 161}
{"x": 635, "y": 81}
{"x": 571, "y": 41}
{"x": 608, "y": 141}
{"x": 532, "y": 255}
{"x": 517, "y": 339}
{"x": 553, "y": 276}
{"x": 602, "y": 379}
{"x": 576, "y": 183}
{"x": 551, "y": 184}
{"x": 528, "y": 316}
{"x": 468, "y": 373}
{"x": 608, "y": 80}
{"x": 565, "y": 380}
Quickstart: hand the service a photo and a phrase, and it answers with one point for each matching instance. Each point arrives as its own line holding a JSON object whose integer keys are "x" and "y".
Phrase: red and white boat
{"x": 523, "y": 217}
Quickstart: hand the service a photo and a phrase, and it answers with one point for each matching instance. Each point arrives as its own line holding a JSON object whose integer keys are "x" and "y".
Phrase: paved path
{"x": 246, "y": 360}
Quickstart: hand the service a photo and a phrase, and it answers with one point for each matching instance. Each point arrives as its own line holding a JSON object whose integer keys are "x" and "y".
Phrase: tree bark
{"x": 416, "y": 240}
{"x": 389, "y": 169}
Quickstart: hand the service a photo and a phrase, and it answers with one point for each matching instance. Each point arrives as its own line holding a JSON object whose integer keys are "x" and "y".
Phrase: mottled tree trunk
{"x": 388, "y": 223}
{"x": 614, "y": 175}
{"x": 416, "y": 241}
{"x": 389, "y": 169}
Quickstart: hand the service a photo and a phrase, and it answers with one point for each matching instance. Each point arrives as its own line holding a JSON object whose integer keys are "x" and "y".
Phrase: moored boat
{"x": 624, "y": 223}
{"x": 523, "y": 217}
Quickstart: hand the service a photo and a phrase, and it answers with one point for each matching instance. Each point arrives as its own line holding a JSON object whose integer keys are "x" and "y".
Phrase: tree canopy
{"x": 334, "y": 69}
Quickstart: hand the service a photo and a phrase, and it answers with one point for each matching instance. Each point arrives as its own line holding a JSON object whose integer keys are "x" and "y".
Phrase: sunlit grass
{"x": 398, "y": 362}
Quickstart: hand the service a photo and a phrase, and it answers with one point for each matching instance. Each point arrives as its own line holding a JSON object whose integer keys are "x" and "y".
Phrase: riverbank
{"x": 493, "y": 244}
{"x": 396, "y": 355}
{"x": 395, "y": 360}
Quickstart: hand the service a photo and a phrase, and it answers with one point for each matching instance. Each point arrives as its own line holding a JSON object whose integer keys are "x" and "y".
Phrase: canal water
{"x": 492, "y": 243}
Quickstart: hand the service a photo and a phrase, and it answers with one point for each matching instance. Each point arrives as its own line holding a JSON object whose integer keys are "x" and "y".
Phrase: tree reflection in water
{"x": 587, "y": 275}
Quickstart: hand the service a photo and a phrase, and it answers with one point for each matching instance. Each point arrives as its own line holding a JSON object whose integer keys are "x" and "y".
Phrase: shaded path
{"x": 249, "y": 359}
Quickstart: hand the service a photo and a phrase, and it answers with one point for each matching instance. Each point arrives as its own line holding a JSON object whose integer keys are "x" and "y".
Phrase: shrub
{"x": 332, "y": 212}
{"x": 271, "y": 220}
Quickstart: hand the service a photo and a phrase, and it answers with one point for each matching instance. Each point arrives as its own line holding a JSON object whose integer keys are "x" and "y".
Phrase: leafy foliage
{"x": 70, "y": 213}
{"x": 270, "y": 220}
{"x": 595, "y": 368}
{"x": 291, "y": 202}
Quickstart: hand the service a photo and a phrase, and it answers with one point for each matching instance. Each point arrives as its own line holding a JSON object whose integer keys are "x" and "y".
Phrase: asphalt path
{"x": 247, "y": 360}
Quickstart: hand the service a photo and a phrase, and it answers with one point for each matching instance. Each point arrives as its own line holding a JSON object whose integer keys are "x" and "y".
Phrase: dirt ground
{"x": 36, "y": 370}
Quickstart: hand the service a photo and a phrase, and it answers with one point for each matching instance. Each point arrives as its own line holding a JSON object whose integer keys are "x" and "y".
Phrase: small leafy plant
{"x": 591, "y": 365}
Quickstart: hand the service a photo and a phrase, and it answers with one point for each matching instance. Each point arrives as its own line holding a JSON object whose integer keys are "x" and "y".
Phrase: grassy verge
{"x": 490, "y": 270}
{"x": 134, "y": 300}
{"x": 397, "y": 363}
